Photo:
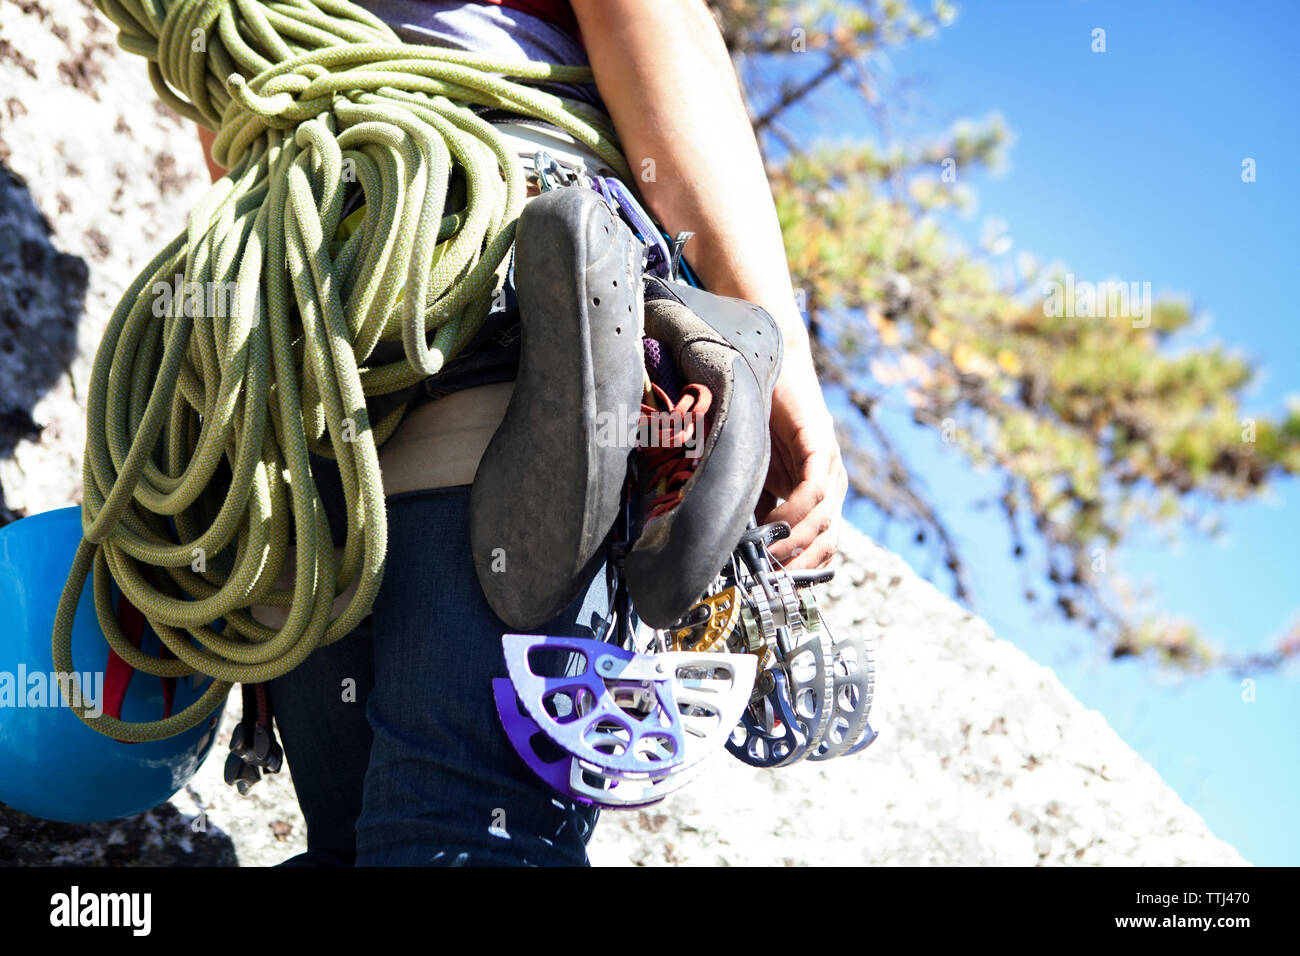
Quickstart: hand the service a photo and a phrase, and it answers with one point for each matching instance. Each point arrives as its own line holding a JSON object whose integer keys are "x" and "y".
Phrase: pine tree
{"x": 1065, "y": 389}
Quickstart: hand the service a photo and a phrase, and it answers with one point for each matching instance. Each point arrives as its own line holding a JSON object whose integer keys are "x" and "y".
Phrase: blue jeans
{"x": 391, "y": 733}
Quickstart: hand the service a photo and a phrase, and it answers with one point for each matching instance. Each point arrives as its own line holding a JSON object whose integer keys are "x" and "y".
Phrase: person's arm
{"x": 664, "y": 73}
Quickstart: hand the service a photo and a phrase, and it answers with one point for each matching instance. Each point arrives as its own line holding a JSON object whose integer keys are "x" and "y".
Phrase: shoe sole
{"x": 674, "y": 561}
{"x": 550, "y": 483}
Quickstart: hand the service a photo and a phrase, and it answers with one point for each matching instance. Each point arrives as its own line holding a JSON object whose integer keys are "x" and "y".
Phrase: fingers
{"x": 813, "y": 512}
{"x": 812, "y": 542}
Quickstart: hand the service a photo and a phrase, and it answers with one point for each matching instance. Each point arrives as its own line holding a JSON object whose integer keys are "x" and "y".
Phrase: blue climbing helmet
{"x": 54, "y": 765}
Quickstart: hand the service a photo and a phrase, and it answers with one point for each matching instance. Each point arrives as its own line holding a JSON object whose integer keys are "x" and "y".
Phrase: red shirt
{"x": 553, "y": 11}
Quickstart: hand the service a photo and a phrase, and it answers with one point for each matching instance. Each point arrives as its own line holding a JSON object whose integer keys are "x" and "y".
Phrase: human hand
{"x": 806, "y": 471}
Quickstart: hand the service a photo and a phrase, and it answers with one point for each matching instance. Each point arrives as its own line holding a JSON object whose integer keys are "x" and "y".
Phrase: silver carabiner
{"x": 551, "y": 174}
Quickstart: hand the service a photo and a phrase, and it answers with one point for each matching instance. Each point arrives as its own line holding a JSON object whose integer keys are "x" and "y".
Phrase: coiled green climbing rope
{"x": 199, "y": 426}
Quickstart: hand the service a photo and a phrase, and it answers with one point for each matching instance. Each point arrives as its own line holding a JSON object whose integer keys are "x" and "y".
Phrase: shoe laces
{"x": 672, "y": 437}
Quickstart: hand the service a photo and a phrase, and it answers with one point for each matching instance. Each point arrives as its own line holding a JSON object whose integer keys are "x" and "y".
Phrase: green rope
{"x": 200, "y": 425}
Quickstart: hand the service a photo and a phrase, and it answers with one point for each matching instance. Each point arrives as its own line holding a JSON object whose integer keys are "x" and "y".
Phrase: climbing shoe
{"x": 704, "y": 451}
{"x": 550, "y": 483}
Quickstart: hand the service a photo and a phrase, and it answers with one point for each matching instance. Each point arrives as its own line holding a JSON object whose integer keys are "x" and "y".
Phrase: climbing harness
{"x": 201, "y": 421}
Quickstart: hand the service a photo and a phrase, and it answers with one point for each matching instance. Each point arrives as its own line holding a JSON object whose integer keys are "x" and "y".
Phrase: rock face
{"x": 95, "y": 176}
{"x": 983, "y": 756}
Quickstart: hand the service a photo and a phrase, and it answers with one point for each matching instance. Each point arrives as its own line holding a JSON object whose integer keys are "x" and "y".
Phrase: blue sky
{"x": 1127, "y": 165}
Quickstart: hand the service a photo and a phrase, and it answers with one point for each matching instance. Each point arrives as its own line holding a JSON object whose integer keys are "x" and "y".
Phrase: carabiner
{"x": 658, "y": 258}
